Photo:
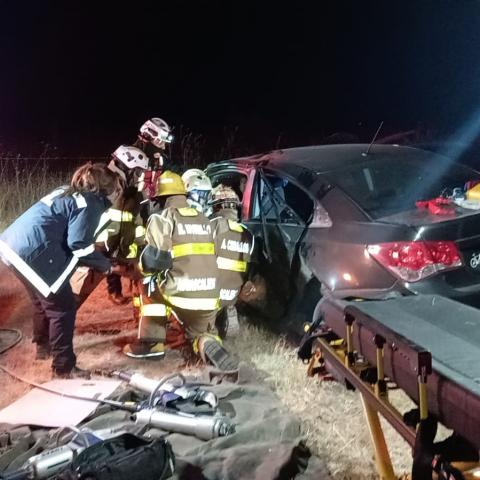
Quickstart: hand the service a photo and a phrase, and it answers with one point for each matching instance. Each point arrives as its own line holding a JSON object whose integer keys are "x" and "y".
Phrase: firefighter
{"x": 154, "y": 136}
{"x": 179, "y": 257}
{"x": 198, "y": 187}
{"x": 234, "y": 246}
{"x": 43, "y": 247}
{"x": 125, "y": 232}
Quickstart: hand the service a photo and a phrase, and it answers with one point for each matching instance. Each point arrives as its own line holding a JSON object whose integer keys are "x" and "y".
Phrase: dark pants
{"x": 114, "y": 283}
{"x": 53, "y": 325}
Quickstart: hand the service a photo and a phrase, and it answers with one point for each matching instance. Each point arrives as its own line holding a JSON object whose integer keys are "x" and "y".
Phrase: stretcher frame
{"x": 339, "y": 357}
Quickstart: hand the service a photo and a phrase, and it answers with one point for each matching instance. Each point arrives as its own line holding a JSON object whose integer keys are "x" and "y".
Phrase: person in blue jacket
{"x": 44, "y": 246}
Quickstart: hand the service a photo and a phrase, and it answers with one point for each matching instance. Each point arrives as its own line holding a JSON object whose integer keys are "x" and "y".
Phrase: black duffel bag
{"x": 126, "y": 457}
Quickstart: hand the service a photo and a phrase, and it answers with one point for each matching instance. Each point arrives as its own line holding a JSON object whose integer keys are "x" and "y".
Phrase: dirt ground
{"x": 101, "y": 330}
{"x": 332, "y": 417}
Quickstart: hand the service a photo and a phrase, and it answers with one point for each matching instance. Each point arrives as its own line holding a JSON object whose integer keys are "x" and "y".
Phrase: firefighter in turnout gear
{"x": 180, "y": 264}
{"x": 124, "y": 232}
{"x": 154, "y": 136}
{"x": 234, "y": 246}
{"x": 198, "y": 187}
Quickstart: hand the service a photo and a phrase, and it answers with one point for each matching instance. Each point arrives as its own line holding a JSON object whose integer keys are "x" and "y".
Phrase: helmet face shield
{"x": 199, "y": 196}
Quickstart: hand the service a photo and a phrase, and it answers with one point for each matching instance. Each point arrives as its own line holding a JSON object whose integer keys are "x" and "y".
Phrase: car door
{"x": 279, "y": 213}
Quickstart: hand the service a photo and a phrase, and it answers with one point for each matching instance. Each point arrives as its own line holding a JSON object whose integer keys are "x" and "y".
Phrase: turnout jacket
{"x": 46, "y": 242}
{"x": 233, "y": 245}
{"x": 188, "y": 278}
{"x": 125, "y": 232}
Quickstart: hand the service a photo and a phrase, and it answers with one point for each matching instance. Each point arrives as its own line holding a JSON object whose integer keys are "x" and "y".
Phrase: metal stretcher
{"x": 429, "y": 346}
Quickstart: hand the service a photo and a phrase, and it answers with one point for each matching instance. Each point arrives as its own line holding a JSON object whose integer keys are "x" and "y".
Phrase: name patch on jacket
{"x": 196, "y": 284}
{"x": 235, "y": 246}
{"x": 193, "y": 229}
{"x": 228, "y": 294}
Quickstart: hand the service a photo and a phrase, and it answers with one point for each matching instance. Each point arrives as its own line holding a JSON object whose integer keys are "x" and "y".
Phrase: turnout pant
{"x": 197, "y": 322}
{"x": 53, "y": 325}
{"x": 154, "y": 313}
{"x": 153, "y": 317}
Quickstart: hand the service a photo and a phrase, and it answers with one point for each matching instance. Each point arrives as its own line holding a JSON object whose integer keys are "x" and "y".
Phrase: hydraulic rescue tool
{"x": 161, "y": 391}
{"x": 203, "y": 427}
{"x": 44, "y": 465}
{"x": 52, "y": 461}
{"x": 157, "y": 388}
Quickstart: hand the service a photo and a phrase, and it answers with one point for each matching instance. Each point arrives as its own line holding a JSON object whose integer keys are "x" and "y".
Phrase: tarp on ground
{"x": 267, "y": 443}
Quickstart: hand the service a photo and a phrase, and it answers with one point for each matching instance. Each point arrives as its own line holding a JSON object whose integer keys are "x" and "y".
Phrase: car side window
{"x": 279, "y": 200}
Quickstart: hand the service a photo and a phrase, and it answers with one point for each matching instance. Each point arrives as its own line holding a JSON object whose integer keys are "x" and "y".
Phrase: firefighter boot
{"x": 148, "y": 350}
{"x": 226, "y": 322}
{"x": 211, "y": 350}
{"x": 42, "y": 352}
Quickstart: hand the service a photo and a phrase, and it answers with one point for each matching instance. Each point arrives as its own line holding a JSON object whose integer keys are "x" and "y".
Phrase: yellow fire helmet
{"x": 170, "y": 183}
{"x": 474, "y": 193}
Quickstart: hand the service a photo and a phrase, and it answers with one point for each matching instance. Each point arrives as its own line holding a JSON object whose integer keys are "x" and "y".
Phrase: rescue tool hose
{"x": 112, "y": 403}
{"x": 162, "y": 382}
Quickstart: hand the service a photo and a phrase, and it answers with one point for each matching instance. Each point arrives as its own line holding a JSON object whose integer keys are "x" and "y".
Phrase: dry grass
{"x": 23, "y": 183}
{"x": 332, "y": 417}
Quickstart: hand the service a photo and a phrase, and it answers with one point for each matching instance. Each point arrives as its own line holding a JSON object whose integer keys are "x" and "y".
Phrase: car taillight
{"x": 414, "y": 261}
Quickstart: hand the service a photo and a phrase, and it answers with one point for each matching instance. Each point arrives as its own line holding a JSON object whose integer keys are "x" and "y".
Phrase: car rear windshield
{"x": 388, "y": 185}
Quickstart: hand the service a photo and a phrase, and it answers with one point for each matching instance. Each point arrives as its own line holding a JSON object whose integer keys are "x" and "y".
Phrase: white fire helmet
{"x": 197, "y": 186}
{"x": 156, "y": 131}
{"x": 196, "y": 179}
{"x": 131, "y": 157}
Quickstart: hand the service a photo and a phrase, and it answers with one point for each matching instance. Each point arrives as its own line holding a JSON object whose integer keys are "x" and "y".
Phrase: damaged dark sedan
{"x": 356, "y": 222}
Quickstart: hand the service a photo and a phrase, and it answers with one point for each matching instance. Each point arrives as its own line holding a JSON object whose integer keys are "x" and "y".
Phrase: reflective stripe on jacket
{"x": 123, "y": 234}
{"x": 191, "y": 283}
{"x": 47, "y": 241}
{"x": 234, "y": 245}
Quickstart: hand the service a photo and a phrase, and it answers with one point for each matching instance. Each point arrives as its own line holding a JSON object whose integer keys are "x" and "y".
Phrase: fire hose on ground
{"x": 18, "y": 337}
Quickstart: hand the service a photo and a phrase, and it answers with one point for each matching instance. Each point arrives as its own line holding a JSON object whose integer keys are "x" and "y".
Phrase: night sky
{"x": 84, "y": 75}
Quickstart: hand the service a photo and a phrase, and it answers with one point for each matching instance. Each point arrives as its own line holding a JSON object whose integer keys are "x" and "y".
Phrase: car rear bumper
{"x": 450, "y": 286}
